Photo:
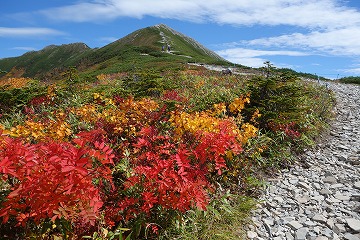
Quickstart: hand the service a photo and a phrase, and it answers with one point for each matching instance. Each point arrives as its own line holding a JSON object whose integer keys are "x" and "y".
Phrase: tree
{"x": 269, "y": 68}
{"x": 71, "y": 74}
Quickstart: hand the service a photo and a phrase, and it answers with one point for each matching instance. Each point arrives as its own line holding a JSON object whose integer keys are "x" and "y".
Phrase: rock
{"x": 330, "y": 223}
{"x": 269, "y": 221}
{"x": 321, "y": 238}
{"x": 260, "y": 238}
{"x": 332, "y": 200}
{"x": 353, "y": 223}
{"x": 349, "y": 236}
{"x": 286, "y": 220}
{"x": 301, "y": 233}
{"x": 329, "y": 179}
{"x": 304, "y": 185}
{"x": 327, "y": 232}
{"x": 295, "y": 225}
{"x": 303, "y": 199}
{"x": 266, "y": 212}
{"x": 339, "y": 228}
{"x": 355, "y": 197}
{"x": 310, "y": 223}
{"x": 251, "y": 234}
{"x": 337, "y": 185}
{"x": 325, "y": 191}
{"x": 318, "y": 198}
{"x": 357, "y": 185}
{"x": 342, "y": 147}
{"x": 353, "y": 158}
{"x": 288, "y": 236}
{"x": 279, "y": 199}
{"x": 316, "y": 185}
{"x": 319, "y": 218}
{"x": 317, "y": 230}
{"x": 342, "y": 158}
{"x": 342, "y": 197}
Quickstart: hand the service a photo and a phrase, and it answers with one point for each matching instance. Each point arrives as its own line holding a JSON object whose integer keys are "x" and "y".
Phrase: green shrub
{"x": 355, "y": 80}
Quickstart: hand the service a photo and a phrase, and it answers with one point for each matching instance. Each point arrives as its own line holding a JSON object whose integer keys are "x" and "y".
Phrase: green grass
{"x": 223, "y": 220}
{"x": 354, "y": 80}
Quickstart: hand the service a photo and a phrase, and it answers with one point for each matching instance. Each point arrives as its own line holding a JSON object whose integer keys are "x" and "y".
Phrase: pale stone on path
{"x": 321, "y": 202}
{"x": 329, "y": 179}
{"x": 319, "y": 218}
{"x": 251, "y": 234}
{"x": 353, "y": 223}
{"x": 301, "y": 233}
{"x": 349, "y": 236}
{"x": 321, "y": 238}
{"x": 295, "y": 225}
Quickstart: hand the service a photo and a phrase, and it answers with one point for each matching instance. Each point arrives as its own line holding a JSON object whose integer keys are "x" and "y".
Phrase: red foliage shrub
{"x": 54, "y": 180}
{"x": 290, "y": 129}
{"x": 174, "y": 174}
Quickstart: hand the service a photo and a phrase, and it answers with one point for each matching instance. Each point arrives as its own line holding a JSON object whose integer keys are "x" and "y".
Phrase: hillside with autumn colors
{"x": 111, "y": 147}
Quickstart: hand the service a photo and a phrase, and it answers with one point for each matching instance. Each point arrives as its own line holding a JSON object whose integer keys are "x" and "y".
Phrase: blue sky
{"x": 314, "y": 36}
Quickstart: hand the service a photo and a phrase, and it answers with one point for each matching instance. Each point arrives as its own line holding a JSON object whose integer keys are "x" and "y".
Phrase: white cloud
{"x": 254, "y": 53}
{"x": 353, "y": 71}
{"x": 327, "y": 26}
{"x": 250, "y": 62}
{"x": 254, "y": 58}
{"x": 27, "y": 32}
{"x": 24, "y": 48}
{"x": 336, "y": 42}
{"x": 320, "y": 14}
{"x": 104, "y": 10}
{"x": 108, "y": 39}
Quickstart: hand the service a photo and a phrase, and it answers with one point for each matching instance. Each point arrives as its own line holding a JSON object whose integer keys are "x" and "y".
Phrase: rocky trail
{"x": 320, "y": 200}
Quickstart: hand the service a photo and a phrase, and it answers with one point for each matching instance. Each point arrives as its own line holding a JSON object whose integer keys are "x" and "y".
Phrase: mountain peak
{"x": 166, "y": 27}
{"x": 168, "y": 34}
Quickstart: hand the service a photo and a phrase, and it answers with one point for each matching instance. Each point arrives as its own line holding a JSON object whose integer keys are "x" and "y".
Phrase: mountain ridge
{"x": 189, "y": 40}
{"x": 143, "y": 47}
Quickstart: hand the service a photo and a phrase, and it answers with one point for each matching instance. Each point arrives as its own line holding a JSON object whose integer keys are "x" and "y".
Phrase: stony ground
{"x": 322, "y": 199}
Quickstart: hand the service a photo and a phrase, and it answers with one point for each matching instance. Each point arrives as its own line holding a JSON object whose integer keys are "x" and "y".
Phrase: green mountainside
{"x": 146, "y": 48}
{"x": 49, "y": 59}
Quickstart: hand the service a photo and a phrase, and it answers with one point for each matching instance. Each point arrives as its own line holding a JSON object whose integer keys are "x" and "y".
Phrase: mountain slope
{"x": 153, "y": 39}
{"x": 180, "y": 42}
{"x": 51, "y": 57}
{"x": 142, "y": 48}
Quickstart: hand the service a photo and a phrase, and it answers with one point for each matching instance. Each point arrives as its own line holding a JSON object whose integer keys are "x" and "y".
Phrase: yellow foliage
{"x": 11, "y": 83}
{"x": 218, "y": 109}
{"x": 51, "y": 91}
{"x": 255, "y": 115}
{"x": 42, "y": 131}
{"x": 211, "y": 121}
{"x": 248, "y": 131}
{"x": 194, "y": 122}
{"x": 124, "y": 117}
{"x": 238, "y": 104}
{"x": 57, "y": 129}
{"x": 199, "y": 84}
{"x": 102, "y": 77}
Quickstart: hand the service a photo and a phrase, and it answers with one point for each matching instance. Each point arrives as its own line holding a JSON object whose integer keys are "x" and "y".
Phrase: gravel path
{"x": 321, "y": 201}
